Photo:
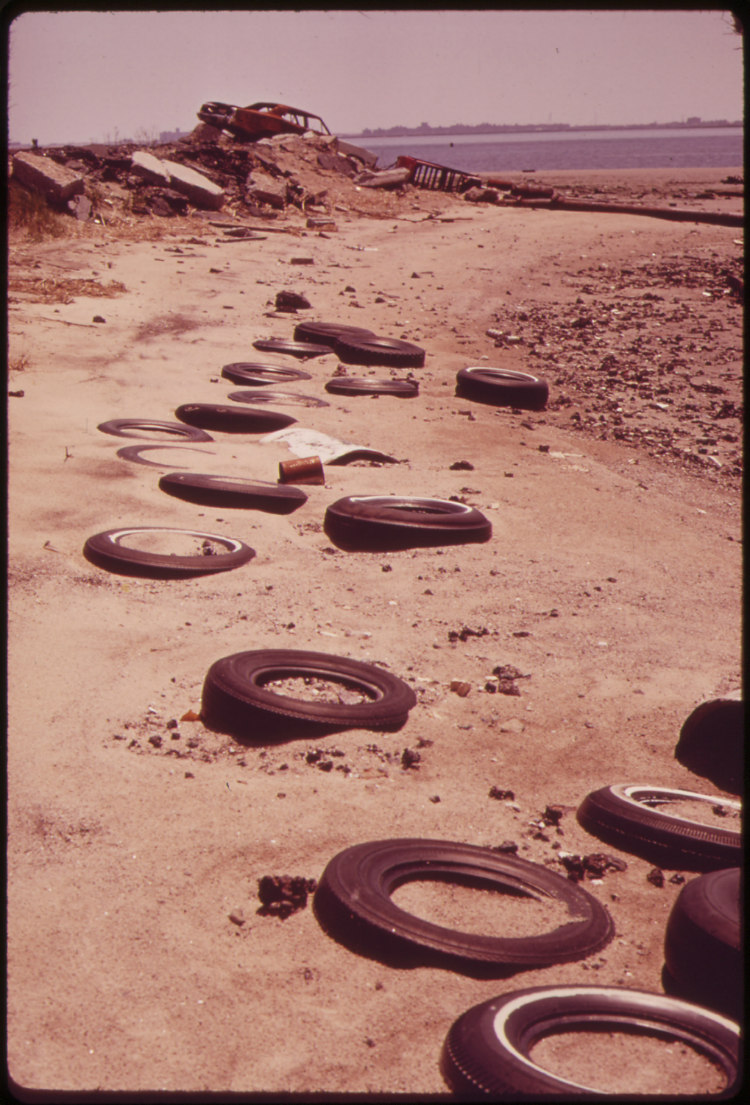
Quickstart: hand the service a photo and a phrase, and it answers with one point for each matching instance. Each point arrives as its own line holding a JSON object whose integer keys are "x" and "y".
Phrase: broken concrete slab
{"x": 198, "y": 189}
{"x": 151, "y": 168}
{"x": 42, "y": 174}
{"x": 260, "y": 186}
{"x": 389, "y": 178}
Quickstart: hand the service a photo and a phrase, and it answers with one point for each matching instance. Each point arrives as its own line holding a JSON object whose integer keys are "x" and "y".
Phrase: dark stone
{"x": 500, "y": 794}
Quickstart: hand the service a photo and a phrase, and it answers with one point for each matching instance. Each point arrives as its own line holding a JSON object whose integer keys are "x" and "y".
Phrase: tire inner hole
{"x": 479, "y": 907}
{"x": 717, "y": 813}
{"x": 627, "y": 1062}
{"x": 172, "y": 544}
{"x": 316, "y": 688}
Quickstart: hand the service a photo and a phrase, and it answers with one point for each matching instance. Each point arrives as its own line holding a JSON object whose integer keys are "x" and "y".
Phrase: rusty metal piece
{"x": 304, "y": 470}
{"x": 459, "y": 688}
{"x": 436, "y": 178}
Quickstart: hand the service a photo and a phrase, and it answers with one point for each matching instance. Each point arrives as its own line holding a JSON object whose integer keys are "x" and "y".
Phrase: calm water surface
{"x": 666, "y": 148}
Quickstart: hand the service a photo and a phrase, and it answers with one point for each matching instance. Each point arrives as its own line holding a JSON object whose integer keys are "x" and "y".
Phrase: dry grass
{"x": 51, "y": 289}
{"x": 19, "y": 363}
{"x": 30, "y": 212}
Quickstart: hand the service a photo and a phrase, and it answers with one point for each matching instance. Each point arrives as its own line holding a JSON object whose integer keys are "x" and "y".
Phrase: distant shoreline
{"x": 528, "y": 128}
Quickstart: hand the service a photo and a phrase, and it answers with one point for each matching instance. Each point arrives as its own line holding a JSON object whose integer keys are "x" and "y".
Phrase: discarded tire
{"x": 328, "y": 333}
{"x": 502, "y": 388}
{"x": 230, "y": 491}
{"x": 106, "y": 550}
{"x": 388, "y": 521}
{"x": 702, "y": 945}
{"x": 282, "y": 398}
{"x": 133, "y": 453}
{"x": 294, "y": 348}
{"x": 355, "y": 890}
{"x": 143, "y": 427}
{"x": 233, "y": 420}
{"x": 248, "y": 372}
{"x": 487, "y": 1051}
{"x": 379, "y": 351}
{"x": 630, "y": 817}
{"x": 712, "y": 741}
{"x": 361, "y": 385}
{"x": 235, "y": 698}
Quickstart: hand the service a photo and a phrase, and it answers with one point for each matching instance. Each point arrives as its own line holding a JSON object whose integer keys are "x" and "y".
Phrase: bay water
{"x": 657, "y": 148}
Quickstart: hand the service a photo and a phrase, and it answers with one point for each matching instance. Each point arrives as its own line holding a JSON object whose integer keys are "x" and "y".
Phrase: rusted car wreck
{"x": 261, "y": 120}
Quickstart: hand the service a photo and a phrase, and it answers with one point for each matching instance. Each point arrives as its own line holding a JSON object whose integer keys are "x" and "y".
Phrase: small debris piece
{"x": 502, "y": 795}
{"x": 462, "y": 466}
{"x": 507, "y": 671}
{"x": 155, "y": 740}
{"x": 459, "y": 688}
{"x": 656, "y": 876}
{"x": 508, "y": 847}
{"x": 434, "y": 798}
{"x": 410, "y": 758}
{"x": 513, "y": 725}
{"x": 291, "y": 301}
{"x": 465, "y": 632}
{"x": 283, "y": 895}
{"x": 593, "y": 866}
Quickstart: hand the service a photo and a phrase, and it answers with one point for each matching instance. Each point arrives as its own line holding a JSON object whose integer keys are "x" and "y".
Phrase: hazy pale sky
{"x": 94, "y": 76}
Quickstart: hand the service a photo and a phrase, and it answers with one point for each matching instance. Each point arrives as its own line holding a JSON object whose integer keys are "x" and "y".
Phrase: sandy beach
{"x": 137, "y": 959}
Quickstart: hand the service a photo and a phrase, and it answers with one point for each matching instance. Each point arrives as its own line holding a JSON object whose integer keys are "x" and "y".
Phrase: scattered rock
{"x": 410, "y": 758}
{"x": 593, "y": 866}
{"x": 508, "y": 847}
{"x": 291, "y": 301}
{"x": 283, "y": 895}
{"x": 656, "y": 876}
{"x": 513, "y": 725}
{"x": 501, "y": 795}
{"x": 465, "y": 632}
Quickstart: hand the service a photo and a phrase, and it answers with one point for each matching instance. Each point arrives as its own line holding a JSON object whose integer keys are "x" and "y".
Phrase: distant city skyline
{"x": 78, "y": 77}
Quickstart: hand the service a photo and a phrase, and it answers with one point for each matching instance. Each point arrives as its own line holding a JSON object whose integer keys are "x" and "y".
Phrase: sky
{"x": 80, "y": 76}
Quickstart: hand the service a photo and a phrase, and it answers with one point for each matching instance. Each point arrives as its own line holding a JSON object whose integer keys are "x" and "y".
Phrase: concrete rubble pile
{"x": 205, "y": 170}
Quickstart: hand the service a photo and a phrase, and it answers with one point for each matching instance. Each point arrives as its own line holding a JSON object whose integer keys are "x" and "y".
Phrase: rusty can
{"x": 304, "y": 470}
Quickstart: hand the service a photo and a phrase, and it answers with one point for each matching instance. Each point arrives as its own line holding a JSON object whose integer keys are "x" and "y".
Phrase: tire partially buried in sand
{"x": 501, "y": 387}
{"x": 395, "y": 522}
{"x": 364, "y": 385}
{"x": 638, "y": 819}
{"x": 353, "y": 903}
{"x": 236, "y": 699}
{"x": 379, "y": 351}
{"x": 328, "y": 333}
{"x": 108, "y": 550}
{"x": 232, "y": 491}
{"x": 488, "y": 1050}
{"x": 233, "y": 420}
